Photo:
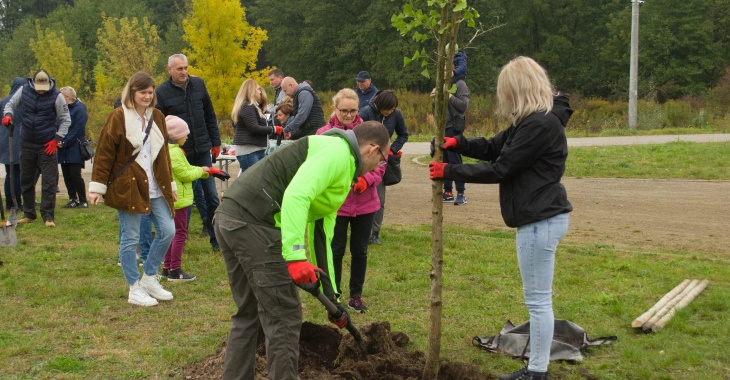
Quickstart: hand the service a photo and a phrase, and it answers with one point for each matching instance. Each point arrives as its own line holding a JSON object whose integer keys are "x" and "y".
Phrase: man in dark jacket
{"x": 186, "y": 97}
{"x": 308, "y": 115}
{"x": 5, "y": 157}
{"x": 366, "y": 90}
{"x": 43, "y": 108}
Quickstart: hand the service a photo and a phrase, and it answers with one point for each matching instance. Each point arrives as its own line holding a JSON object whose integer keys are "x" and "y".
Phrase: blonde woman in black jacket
{"x": 527, "y": 160}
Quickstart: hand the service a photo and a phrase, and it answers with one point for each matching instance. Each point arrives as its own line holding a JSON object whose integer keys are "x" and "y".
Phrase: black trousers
{"x": 359, "y": 235}
{"x": 33, "y": 156}
{"x": 16, "y": 187}
{"x": 74, "y": 182}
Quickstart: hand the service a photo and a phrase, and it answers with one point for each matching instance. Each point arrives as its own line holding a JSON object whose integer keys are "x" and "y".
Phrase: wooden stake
{"x": 682, "y": 303}
{"x": 664, "y": 310}
{"x": 638, "y": 322}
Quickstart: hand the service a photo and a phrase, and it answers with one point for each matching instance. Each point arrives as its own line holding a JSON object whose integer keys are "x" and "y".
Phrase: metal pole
{"x": 634, "y": 69}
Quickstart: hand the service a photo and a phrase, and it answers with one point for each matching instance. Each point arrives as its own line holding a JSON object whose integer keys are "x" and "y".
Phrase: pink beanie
{"x": 177, "y": 128}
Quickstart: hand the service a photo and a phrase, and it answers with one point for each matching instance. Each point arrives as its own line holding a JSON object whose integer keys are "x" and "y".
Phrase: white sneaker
{"x": 153, "y": 288}
{"x": 138, "y": 296}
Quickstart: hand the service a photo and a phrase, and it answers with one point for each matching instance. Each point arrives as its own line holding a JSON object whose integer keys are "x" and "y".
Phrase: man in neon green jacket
{"x": 260, "y": 226}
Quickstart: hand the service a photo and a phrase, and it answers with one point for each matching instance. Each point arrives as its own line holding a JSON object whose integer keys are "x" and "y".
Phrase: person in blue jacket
{"x": 5, "y": 151}
{"x": 69, "y": 155}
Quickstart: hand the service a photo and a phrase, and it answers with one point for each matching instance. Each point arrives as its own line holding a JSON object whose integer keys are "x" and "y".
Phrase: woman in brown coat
{"x": 132, "y": 172}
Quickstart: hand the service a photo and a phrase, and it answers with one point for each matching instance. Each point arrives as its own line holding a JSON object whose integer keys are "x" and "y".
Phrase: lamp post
{"x": 634, "y": 66}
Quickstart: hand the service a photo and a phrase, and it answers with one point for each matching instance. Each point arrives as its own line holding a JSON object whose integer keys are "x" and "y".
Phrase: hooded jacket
{"x": 367, "y": 202}
{"x": 527, "y": 160}
{"x": 68, "y": 152}
{"x": 184, "y": 174}
{"x": 308, "y": 115}
{"x": 393, "y": 123}
{"x": 5, "y": 133}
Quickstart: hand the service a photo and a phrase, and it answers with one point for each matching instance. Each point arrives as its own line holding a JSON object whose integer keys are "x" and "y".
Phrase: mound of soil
{"x": 325, "y": 354}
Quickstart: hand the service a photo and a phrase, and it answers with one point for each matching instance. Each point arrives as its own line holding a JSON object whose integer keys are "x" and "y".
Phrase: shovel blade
{"x": 8, "y": 238}
{"x": 13, "y": 216}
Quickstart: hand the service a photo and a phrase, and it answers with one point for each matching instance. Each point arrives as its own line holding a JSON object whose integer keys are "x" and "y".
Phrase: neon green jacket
{"x": 298, "y": 187}
{"x": 184, "y": 174}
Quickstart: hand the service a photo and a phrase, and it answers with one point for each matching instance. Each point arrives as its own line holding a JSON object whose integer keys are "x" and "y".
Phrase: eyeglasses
{"x": 384, "y": 160}
{"x": 348, "y": 112}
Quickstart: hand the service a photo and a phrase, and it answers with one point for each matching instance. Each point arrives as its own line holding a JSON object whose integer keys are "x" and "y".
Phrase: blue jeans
{"x": 536, "y": 245}
{"x": 247, "y": 160}
{"x": 210, "y": 195}
{"x": 145, "y": 237}
{"x": 129, "y": 225}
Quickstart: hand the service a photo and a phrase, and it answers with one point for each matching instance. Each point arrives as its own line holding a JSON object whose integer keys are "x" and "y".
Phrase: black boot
{"x": 524, "y": 374}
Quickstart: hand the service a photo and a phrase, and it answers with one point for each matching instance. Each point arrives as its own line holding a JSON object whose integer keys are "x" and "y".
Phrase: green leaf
{"x": 461, "y": 6}
{"x": 408, "y": 10}
{"x": 425, "y": 73}
{"x": 406, "y": 61}
{"x": 452, "y": 90}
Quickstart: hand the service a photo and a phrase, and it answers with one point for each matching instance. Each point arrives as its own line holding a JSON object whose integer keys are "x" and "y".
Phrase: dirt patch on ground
{"x": 325, "y": 354}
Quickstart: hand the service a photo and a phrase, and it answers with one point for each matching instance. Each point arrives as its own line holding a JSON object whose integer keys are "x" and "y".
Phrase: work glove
{"x": 215, "y": 151}
{"x": 51, "y": 147}
{"x": 302, "y": 271}
{"x": 391, "y": 153}
{"x": 360, "y": 186}
{"x": 449, "y": 143}
{"x": 217, "y": 173}
{"x": 7, "y": 120}
{"x": 344, "y": 318}
{"x": 278, "y": 129}
{"x": 436, "y": 170}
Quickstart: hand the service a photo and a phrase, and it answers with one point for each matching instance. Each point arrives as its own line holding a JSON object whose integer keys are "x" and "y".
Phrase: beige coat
{"x": 120, "y": 138}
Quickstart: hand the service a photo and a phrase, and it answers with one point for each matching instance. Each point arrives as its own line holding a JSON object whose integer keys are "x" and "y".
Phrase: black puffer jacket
{"x": 527, "y": 160}
{"x": 193, "y": 105}
{"x": 251, "y": 127}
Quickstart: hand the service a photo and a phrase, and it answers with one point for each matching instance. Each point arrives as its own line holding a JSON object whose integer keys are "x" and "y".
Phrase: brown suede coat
{"x": 120, "y": 138}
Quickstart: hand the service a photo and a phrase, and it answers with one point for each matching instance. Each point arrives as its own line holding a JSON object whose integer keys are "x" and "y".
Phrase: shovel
{"x": 8, "y": 238}
{"x": 15, "y": 211}
{"x": 313, "y": 289}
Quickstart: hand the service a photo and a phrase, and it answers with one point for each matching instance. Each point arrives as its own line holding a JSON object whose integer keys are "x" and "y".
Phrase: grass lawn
{"x": 66, "y": 316}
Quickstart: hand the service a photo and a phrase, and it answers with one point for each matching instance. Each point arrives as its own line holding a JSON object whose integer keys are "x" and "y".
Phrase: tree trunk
{"x": 443, "y": 84}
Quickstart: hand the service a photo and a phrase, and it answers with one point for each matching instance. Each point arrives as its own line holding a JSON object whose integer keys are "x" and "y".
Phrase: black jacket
{"x": 394, "y": 123}
{"x": 251, "y": 128}
{"x": 527, "y": 160}
{"x": 193, "y": 105}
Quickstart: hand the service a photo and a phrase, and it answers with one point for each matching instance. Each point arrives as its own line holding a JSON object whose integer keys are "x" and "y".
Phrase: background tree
{"x": 125, "y": 47}
{"x": 438, "y": 20}
{"x": 54, "y": 56}
{"x": 223, "y": 49}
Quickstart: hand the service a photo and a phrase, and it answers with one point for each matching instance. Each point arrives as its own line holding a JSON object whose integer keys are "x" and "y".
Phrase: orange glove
{"x": 360, "y": 186}
{"x": 51, "y": 147}
{"x": 278, "y": 129}
{"x": 436, "y": 170}
{"x": 341, "y": 322}
{"x": 215, "y": 151}
{"x": 449, "y": 143}
{"x": 7, "y": 120}
{"x": 302, "y": 271}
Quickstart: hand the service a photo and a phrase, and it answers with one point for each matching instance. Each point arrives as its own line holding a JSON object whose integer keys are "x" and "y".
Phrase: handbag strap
{"x": 134, "y": 156}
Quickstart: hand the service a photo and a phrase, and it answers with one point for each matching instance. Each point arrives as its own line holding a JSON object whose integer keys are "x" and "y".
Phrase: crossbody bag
{"x": 134, "y": 156}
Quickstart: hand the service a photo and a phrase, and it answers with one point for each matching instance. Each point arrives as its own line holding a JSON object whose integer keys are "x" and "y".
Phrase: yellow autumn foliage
{"x": 56, "y": 57}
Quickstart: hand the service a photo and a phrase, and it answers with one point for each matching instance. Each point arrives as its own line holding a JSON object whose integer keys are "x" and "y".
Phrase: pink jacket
{"x": 367, "y": 202}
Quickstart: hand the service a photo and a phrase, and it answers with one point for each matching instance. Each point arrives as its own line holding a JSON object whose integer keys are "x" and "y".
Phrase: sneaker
{"x": 138, "y": 296}
{"x": 524, "y": 374}
{"x": 49, "y": 223}
{"x": 82, "y": 205}
{"x": 357, "y": 304}
{"x": 165, "y": 272}
{"x": 152, "y": 286}
{"x": 179, "y": 275}
{"x": 25, "y": 220}
{"x": 374, "y": 238}
{"x": 447, "y": 196}
{"x": 216, "y": 247}
{"x": 460, "y": 199}
{"x": 71, "y": 204}
{"x": 204, "y": 233}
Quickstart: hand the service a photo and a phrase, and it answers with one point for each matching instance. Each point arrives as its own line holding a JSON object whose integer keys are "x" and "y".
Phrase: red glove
{"x": 215, "y": 151}
{"x": 278, "y": 129}
{"x": 436, "y": 170}
{"x": 341, "y": 322}
{"x": 449, "y": 143}
{"x": 400, "y": 153}
{"x": 360, "y": 186}
{"x": 7, "y": 120}
{"x": 217, "y": 173}
{"x": 302, "y": 272}
{"x": 51, "y": 147}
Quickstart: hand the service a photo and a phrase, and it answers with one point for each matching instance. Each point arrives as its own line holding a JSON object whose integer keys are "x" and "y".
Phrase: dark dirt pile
{"x": 325, "y": 354}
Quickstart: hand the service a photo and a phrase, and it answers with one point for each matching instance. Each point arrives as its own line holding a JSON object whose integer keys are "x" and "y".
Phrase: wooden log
{"x": 684, "y": 302}
{"x": 665, "y": 309}
{"x": 638, "y": 322}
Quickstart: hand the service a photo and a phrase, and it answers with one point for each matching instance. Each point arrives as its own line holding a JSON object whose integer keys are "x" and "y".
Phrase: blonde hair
{"x": 345, "y": 93}
{"x": 137, "y": 82}
{"x": 248, "y": 93}
{"x": 523, "y": 87}
{"x": 69, "y": 91}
